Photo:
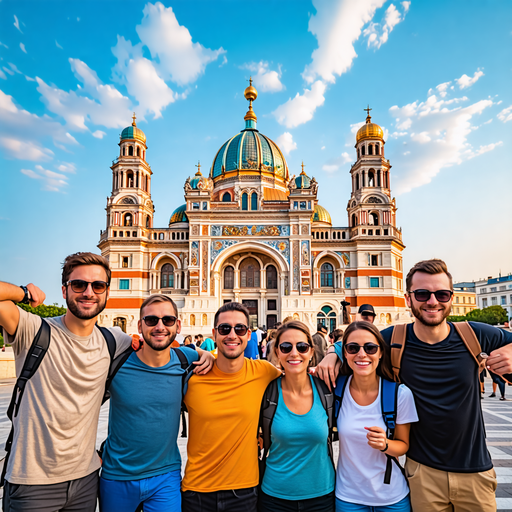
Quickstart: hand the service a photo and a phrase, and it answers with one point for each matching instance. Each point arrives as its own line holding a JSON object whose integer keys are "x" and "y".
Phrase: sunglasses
{"x": 152, "y": 320}
{"x": 79, "y": 286}
{"x": 354, "y": 348}
{"x": 440, "y": 295}
{"x": 302, "y": 347}
{"x": 225, "y": 329}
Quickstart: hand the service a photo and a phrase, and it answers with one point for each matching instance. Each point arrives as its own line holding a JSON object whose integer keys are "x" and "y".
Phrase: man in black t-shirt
{"x": 448, "y": 465}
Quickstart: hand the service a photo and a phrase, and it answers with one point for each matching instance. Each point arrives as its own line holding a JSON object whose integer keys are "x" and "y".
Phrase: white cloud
{"x": 67, "y": 167}
{"x": 99, "y": 134}
{"x": 300, "y": 109}
{"x": 58, "y": 45}
{"x": 435, "y": 136}
{"x": 22, "y": 46}
{"x": 25, "y": 150}
{"x": 377, "y": 33}
{"x": 4, "y": 45}
{"x": 17, "y": 23}
{"x": 170, "y": 44}
{"x": 52, "y": 181}
{"x": 265, "y": 79}
{"x": 465, "y": 81}
{"x": 337, "y": 25}
{"x": 3, "y": 75}
{"x": 322, "y": 148}
{"x": 506, "y": 114}
{"x": 14, "y": 68}
{"x": 286, "y": 142}
{"x": 7, "y": 70}
{"x": 335, "y": 163}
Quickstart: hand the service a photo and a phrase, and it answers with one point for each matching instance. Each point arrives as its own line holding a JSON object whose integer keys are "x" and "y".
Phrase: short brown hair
{"x": 157, "y": 297}
{"x": 384, "y": 369}
{"x": 83, "y": 258}
{"x": 231, "y": 306}
{"x": 432, "y": 267}
{"x": 337, "y": 334}
{"x": 298, "y": 326}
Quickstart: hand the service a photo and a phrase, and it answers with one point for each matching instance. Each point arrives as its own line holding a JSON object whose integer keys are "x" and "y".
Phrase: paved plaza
{"x": 497, "y": 415}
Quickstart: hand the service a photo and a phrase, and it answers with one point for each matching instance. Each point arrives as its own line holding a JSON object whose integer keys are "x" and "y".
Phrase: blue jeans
{"x": 402, "y": 506}
{"x": 158, "y": 493}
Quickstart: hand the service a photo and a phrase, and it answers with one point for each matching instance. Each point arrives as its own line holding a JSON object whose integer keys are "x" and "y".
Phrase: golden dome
{"x": 321, "y": 215}
{"x": 369, "y": 130}
{"x": 250, "y": 93}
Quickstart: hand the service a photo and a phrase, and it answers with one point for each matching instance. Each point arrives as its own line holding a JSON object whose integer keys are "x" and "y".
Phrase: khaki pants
{"x": 433, "y": 490}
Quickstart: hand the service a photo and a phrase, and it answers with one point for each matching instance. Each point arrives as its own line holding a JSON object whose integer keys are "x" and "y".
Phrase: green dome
{"x": 179, "y": 215}
{"x": 132, "y": 132}
{"x": 302, "y": 181}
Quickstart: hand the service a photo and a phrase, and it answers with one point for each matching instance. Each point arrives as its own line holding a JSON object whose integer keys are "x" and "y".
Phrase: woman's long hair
{"x": 384, "y": 369}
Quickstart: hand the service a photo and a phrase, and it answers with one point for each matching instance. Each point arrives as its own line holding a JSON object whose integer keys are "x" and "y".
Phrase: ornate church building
{"x": 249, "y": 232}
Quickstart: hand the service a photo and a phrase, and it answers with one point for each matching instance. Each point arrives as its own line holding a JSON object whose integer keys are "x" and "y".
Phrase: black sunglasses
{"x": 440, "y": 295}
{"x": 152, "y": 320}
{"x": 79, "y": 286}
{"x": 354, "y": 348}
{"x": 225, "y": 329}
{"x": 302, "y": 347}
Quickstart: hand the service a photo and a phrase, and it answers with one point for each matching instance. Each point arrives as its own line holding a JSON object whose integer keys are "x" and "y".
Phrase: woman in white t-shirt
{"x": 361, "y": 467}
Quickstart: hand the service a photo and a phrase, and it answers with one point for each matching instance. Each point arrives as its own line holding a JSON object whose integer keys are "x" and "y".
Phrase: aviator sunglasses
{"x": 79, "y": 286}
{"x": 152, "y": 320}
{"x": 440, "y": 295}
{"x": 354, "y": 348}
{"x": 302, "y": 347}
{"x": 225, "y": 329}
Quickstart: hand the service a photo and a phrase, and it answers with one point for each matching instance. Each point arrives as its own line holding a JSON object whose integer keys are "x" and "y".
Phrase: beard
{"x": 77, "y": 311}
{"x": 160, "y": 345}
{"x": 418, "y": 314}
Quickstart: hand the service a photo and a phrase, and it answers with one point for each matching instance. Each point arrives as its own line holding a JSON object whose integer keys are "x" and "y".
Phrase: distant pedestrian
{"x": 367, "y": 313}
{"x": 320, "y": 342}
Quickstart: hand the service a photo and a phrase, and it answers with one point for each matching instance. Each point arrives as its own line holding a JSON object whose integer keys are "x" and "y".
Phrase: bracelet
{"x": 387, "y": 446}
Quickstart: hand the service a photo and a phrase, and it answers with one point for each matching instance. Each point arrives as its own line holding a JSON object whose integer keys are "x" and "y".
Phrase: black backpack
{"x": 268, "y": 411}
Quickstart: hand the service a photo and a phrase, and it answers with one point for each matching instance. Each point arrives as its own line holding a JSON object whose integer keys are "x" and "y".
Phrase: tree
{"x": 492, "y": 315}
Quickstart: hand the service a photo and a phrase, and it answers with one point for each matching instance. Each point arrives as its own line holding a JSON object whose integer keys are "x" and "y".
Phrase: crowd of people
{"x": 264, "y": 407}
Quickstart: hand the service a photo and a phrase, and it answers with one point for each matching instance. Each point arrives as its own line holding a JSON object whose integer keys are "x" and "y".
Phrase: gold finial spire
{"x": 250, "y": 94}
{"x": 198, "y": 173}
{"x": 302, "y": 165}
{"x": 133, "y": 122}
{"x": 368, "y": 117}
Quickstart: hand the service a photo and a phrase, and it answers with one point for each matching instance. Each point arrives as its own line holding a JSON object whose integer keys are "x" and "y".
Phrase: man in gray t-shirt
{"x": 53, "y": 453}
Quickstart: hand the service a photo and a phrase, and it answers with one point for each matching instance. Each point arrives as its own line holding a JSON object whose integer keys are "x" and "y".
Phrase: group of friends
{"x": 54, "y": 465}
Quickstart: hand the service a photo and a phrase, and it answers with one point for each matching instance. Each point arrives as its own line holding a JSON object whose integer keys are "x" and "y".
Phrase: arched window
{"x": 244, "y": 202}
{"x": 358, "y": 153}
{"x": 226, "y": 197}
{"x": 120, "y": 322}
{"x": 138, "y": 151}
{"x": 167, "y": 276}
{"x": 357, "y": 181}
{"x": 354, "y": 220}
{"x": 205, "y": 319}
{"x": 147, "y": 221}
{"x": 370, "y": 149}
{"x": 371, "y": 179}
{"x": 129, "y": 179}
{"x": 229, "y": 278}
{"x": 363, "y": 150}
{"x": 327, "y": 276}
{"x": 378, "y": 179}
{"x": 271, "y": 277}
{"x": 327, "y": 317}
{"x": 377, "y": 149}
{"x": 254, "y": 201}
{"x": 130, "y": 151}
{"x": 192, "y": 319}
{"x": 375, "y": 219}
{"x": 249, "y": 273}
{"x": 128, "y": 220}
{"x": 124, "y": 151}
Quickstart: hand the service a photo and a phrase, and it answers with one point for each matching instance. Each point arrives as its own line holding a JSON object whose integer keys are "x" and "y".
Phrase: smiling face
{"x": 231, "y": 346}
{"x": 362, "y": 363}
{"x": 294, "y": 361}
{"x": 159, "y": 337}
{"x": 431, "y": 313}
{"x": 86, "y": 305}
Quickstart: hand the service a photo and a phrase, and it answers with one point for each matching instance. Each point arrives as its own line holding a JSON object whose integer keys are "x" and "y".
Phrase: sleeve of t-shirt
{"x": 123, "y": 340}
{"x": 28, "y": 326}
{"x": 338, "y": 348}
{"x": 268, "y": 370}
{"x": 406, "y": 409}
{"x": 191, "y": 354}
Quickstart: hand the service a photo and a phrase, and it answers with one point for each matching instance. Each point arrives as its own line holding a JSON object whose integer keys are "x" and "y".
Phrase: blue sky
{"x": 436, "y": 74}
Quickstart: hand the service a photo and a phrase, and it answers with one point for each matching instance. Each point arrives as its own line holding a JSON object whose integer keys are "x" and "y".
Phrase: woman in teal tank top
{"x": 299, "y": 473}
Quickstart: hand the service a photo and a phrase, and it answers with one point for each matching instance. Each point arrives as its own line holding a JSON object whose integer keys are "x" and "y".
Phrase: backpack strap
{"x": 327, "y": 399}
{"x": 187, "y": 368}
{"x": 34, "y": 357}
{"x": 397, "y": 348}
{"x": 468, "y": 336}
{"x": 267, "y": 412}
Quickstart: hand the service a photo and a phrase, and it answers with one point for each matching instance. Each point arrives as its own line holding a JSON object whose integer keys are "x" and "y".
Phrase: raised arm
{"x": 9, "y": 294}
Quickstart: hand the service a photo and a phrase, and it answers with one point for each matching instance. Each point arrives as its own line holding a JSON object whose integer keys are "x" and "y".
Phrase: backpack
{"x": 388, "y": 405}
{"x": 268, "y": 411}
{"x": 465, "y": 331}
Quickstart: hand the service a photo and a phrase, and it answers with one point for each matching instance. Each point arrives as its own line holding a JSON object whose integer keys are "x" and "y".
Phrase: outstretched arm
{"x": 205, "y": 363}
{"x": 328, "y": 368}
{"x": 9, "y": 313}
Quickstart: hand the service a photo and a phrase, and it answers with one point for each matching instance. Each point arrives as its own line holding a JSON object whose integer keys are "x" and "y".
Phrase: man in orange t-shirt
{"x": 224, "y": 406}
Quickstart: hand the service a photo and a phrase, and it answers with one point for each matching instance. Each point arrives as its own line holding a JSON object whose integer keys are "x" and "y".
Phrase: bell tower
{"x": 130, "y": 208}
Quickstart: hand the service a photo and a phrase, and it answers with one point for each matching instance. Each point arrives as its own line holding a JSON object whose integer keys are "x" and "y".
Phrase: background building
{"x": 250, "y": 232}
{"x": 464, "y": 298}
{"x": 495, "y": 291}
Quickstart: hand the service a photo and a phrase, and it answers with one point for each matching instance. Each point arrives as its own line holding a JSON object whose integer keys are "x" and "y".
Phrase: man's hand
{"x": 328, "y": 369}
{"x": 500, "y": 360}
{"x": 205, "y": 363}
{"x": 37, "y": 295}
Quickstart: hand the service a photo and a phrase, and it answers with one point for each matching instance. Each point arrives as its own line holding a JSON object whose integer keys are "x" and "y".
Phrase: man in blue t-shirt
{"x": 448, "y": 465}
{"x": 141, "y": 460}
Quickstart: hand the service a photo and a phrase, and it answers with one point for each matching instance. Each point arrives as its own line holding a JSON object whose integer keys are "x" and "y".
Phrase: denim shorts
{"x": 402, "y": 506}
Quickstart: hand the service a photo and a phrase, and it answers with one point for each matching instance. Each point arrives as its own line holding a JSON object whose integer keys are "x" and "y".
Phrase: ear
{"x": 178, "y": 326}
{"x": 64, "y": 292}
{"x": 407, "y": 299}
{"x": 139, "y": 326}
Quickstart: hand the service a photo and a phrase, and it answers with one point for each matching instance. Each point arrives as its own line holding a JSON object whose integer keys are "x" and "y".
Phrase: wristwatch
{"x": 27, "y": 297}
